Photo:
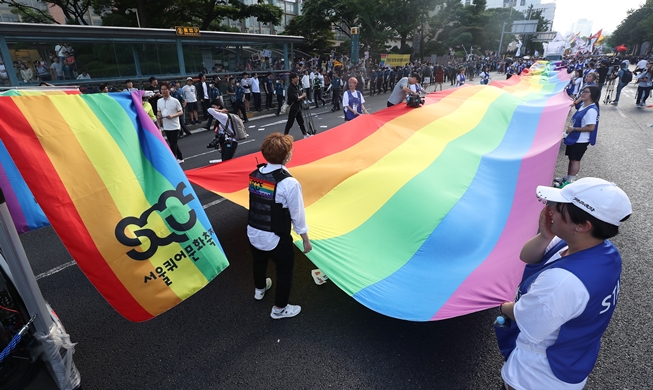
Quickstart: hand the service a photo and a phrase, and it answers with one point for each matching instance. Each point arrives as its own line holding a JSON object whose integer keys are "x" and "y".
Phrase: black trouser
{"x": 205, "y": 107}
{"x": 372, "y": 87}
{"x": 172, "y": 135}
{"x": 295, "y": 113}
{"x": 268, "y": 100}
{"x": 279, "y": 103}
{"x": 283, "y": 257}
{"x": 228, "y": 149}
{"x": 317, "y": 93}
{"x": 642, "y": 94}
{"x": 257, "y": 101}
{"x": 240, "y": 107}
{"x": 389, "y": 104}
{"x": 336, "y": 99}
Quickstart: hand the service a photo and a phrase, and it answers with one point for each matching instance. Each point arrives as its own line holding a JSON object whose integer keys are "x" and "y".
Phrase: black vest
{"x": 264, "y": 213}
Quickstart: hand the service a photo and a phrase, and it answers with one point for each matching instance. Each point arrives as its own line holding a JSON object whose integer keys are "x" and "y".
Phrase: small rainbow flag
{"x": 420, "y": 213}
{"x": 115, "y": 195}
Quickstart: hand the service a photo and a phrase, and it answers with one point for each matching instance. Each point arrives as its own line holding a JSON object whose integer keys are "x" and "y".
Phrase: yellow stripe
{"x": 387, "y": 175}
{"x": 119, "y": 179}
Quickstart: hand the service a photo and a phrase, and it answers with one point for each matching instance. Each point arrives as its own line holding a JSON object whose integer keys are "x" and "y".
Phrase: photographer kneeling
{"x": 225, "y": 135}
{"x": 402, "y": 89}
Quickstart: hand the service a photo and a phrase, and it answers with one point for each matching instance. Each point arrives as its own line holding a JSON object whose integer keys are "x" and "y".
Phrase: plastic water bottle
{"x": 502, "y": 322}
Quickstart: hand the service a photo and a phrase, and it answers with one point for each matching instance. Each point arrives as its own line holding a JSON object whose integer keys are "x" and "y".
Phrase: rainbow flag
{"x": 115, "y": 195}
{"x": 420, "y": 213}
{"x": 25, "y": 212}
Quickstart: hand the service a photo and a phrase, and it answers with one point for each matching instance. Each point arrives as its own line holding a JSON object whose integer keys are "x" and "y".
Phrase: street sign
{"x": 187, "y": 31}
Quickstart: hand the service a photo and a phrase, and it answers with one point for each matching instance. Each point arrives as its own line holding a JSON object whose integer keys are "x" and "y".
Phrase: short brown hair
{"x": 276, "y": 147}
{"x": 164, "y": 84}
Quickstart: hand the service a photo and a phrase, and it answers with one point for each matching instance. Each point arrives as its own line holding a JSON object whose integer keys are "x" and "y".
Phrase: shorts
{"x": 427, "y": 80}
{"x": 576, "y": 151}
{"x": 248, "y": 96}
{"x": 191, "y": 106}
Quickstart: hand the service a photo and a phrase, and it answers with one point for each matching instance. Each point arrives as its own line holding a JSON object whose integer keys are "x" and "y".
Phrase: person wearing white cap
{"x": 569, "y": 288}
{"x": 190, "y": 93}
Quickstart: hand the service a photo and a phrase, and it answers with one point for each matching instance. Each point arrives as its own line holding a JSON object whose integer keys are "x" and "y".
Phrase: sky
{"x": 606, "y": 15}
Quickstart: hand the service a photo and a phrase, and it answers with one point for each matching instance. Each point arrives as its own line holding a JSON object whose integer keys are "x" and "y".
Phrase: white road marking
{"x": 206, "y": 206}
{"x": 275, "y": 123}
{"x": 55, "y": 270}
{"x": 201, "y": 154}
{"x": 621, "y": 113}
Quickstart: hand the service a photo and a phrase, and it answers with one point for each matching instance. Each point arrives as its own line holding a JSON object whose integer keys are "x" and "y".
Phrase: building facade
{"x": 548, "y": 8}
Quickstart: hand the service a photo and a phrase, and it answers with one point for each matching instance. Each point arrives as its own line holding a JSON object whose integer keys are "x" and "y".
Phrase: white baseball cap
{"x": 599, "y": 198}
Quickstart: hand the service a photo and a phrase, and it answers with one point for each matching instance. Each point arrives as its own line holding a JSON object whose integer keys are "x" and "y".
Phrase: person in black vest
{"x": 276, "y": 202}
{"x": 294, "y": 101}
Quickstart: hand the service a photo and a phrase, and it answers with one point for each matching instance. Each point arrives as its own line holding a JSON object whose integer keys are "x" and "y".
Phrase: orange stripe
{"x": 89, "y": 194}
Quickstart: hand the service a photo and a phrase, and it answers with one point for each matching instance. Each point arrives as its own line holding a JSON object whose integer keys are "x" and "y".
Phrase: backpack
{"x": 627, "y": 77}
{"x": 238, "y": 126}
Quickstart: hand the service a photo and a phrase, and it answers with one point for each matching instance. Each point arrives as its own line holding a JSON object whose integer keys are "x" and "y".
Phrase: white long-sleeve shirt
{"x": 289, "y": 194}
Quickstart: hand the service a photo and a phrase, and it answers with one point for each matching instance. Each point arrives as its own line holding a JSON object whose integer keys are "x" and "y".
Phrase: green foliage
{"x": 205, "y": 14}
{"x": 636, "y": 28}
{"x": 74, "y": 10}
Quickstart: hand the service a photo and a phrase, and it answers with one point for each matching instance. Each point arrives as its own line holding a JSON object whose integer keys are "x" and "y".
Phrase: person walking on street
{"x": 168, "y": 111}
{"x": 294, "y": 100}
{"x": 176, "y": 93}
{"x": 268, "y": 86}
{"x": 645, "y": 82}
{"x": 272, "y": 214}
{"x": 190, "y": 93}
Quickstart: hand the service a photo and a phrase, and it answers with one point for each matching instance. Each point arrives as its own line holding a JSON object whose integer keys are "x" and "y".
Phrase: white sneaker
{"x": 286, "y": 312}
{"x": 180, "y": 161}
{"x": 259, "y": 294}
{"x": 307, "y": 136}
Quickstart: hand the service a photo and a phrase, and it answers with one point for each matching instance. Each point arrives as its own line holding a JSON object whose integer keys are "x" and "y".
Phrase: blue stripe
{"x": 419, "y": 289}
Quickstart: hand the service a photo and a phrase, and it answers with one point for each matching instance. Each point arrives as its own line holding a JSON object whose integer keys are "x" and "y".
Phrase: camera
{"x": 414, "y": 101}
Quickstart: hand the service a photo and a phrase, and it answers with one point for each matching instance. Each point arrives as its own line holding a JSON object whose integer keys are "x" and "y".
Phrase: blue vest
{"x": 353, "y": 101}
{"x": 573, "y": 355}
{"x": 577, "y": 118}
{"x": 462, "y": 79}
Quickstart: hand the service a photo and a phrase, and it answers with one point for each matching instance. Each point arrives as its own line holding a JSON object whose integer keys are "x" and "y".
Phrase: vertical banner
{"x": 115, "y": 195}
{"x": 355, "y": 32}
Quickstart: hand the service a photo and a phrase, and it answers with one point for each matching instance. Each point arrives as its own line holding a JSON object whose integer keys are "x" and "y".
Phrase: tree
{"x": 73, "y": 10}
{"x": 636, "y": 28}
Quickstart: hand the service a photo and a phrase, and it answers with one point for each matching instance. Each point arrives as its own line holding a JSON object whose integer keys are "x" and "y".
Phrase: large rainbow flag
{"x": 420, "y": 213}
{"x": 115, "y": 195}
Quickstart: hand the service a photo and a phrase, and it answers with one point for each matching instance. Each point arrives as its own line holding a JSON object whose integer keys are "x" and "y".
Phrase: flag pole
{"x": 55, "y": 348}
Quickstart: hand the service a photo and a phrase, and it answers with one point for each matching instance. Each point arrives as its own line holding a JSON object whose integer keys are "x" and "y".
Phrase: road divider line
{"x": 621, "y": 113}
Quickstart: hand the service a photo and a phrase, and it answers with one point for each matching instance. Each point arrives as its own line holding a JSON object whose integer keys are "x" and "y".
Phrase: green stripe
{"x": 121, "y": 128}
{"x": 388, "y": 249}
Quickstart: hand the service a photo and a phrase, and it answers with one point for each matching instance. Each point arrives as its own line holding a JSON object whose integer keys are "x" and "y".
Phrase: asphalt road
{"x": 221, "y": 338}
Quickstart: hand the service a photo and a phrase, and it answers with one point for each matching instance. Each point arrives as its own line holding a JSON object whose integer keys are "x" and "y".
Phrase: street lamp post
{"x": 503, "y": 29}
{"x": 134, "y": 11}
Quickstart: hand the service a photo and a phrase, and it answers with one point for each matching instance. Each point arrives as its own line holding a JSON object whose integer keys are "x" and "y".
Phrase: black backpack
{"x": 627, "y": 77}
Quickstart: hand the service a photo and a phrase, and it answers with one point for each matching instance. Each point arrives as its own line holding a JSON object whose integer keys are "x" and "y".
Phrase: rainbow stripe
{"x": 420, "y": 214}
{"x": 25, "y": 212}
{"x": 116, "y": 196}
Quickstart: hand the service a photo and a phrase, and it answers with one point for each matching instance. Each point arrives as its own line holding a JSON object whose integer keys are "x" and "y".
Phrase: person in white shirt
{"x": 306, "y": 84}
{"x": 246, "y": 83}
{"x": 225, "y": 133}
{"x": 84, "y": 75}
{"x": 276, "y": 202}
{"x": 256, "y": 91}
{"x": 353, "y": 101}
{"x": 168, "y": 111}
{"x": 190, "y": 93}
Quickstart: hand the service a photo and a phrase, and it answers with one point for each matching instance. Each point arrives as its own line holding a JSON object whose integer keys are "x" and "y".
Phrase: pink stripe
{"x": 496, "y": 279}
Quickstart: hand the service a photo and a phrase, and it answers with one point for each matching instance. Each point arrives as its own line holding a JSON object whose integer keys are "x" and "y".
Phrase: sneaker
{"x": 558, "y": 179}
{"x": 259, "y": 294}
{"x": 180, "y": 161}
{"x": 307, "y": 135}
{"x": 615, "y": 103}
{"x": 286, "y": 312}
